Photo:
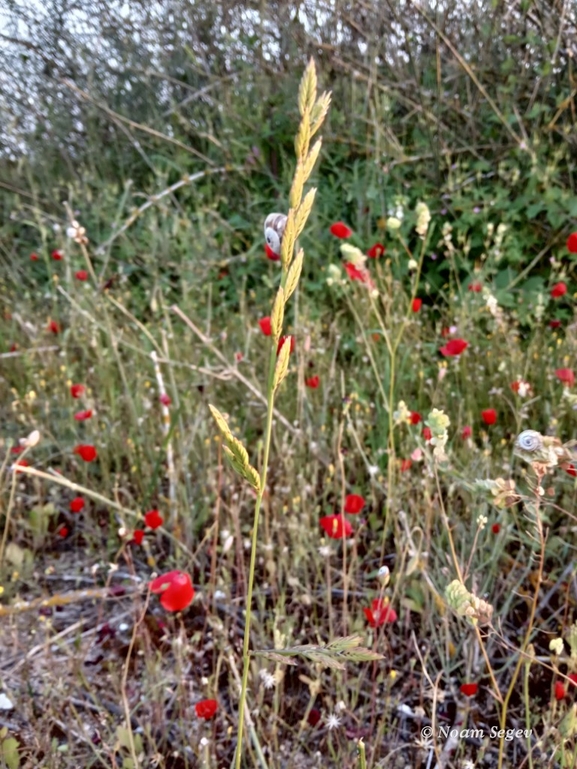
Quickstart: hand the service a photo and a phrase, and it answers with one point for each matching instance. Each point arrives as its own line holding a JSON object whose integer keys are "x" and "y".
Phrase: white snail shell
{"x": 274, "y": 227}
{"x": 529, "y": 440}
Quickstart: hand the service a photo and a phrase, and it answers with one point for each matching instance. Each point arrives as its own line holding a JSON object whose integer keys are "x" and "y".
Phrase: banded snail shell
{"x": 274, "y": 227}
{"x": 529, "y": 440}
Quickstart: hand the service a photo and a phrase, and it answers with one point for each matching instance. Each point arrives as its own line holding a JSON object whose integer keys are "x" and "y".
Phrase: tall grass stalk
{"x": 313, "y": 111}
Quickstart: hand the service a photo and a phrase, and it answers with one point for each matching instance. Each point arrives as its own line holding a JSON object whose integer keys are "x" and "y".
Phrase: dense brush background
{"x": 108, "y": 108}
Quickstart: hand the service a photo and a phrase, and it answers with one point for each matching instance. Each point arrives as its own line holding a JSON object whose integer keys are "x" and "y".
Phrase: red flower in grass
{"x": 466, "y": 432}
{"x": 313, "y": 382}
{"x": 469, "y": 690}
{"x": 77, "y": 505}
{"x": 566, "y": 376}
{"x": 206, "y": 709}
{"x": 77, "y": 390}
{"x": 175, "y": 590}
{"x": 560, "y": 691}
{"x": 63, "y": 532}
{"x": 570, "y": 469}
{"x": 82, "y": 416}
{"x": 355, "y": 273}
{"x": 572, "y": 243}
{"x": 454, "y": 347}
{"x": 153, "y": 519}
{"x": 265, "y": 326}
{"x": 476, "y": 288}
{"x": 17, "y": 449}
{"x": 33, "y": 257}
{"x": 340, "y": 230}
{"x": 314, "y": 716}
{"x": 416, "y": 304}
{"x": 86, "y": 452}
{"x": 81, "y": 275}
{"x": 54, "y": 327}
{"x": 270, "y": 254}
{"x": 558, "y": 290}
{"x": 335, "y": 526}
{"x": 405, "y": 465}
{"x": 282, "y": 340}
{"x": 415, "y": 418}
{"x": 57, "y": 255}
{"x": 138, "y": 537}
{"x": 489, "y": 416}
{"x": 496, "y": 528}
{"x": 427, "y": 433}
{"x": 20, "y": 463}
{"x": 165, "y": 399}
{"x": 380, "y": 613}
{"x": 554, "y": 323}
{"x": 354, "y": 503}
{"x": 375, "y": 251}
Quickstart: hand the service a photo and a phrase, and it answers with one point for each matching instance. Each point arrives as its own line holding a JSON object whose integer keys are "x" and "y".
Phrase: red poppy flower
{"x": 175, "y": 589}
{"x": 415, "y": 418}
{"x": 355, "y": 273}
{"x": 354, "y": 503}
{"x": 281, "y": 341}
{"x": 466, "y": 432}
{"x": 33, "y": 257}
{"x": 54, "y": 327}
{"x": 206, "y": 708}
{"x": 572, "y": 243}
{"x": 138, "y": 536}
{"x": 427, "y": 433}
{"x": 57, "y": 255}
{"x": 489, "y": 416}
{"x": 405, "y": 465}
{"x": 76, "y": 390}
{"x": 476, "y": 288}
{"x": 570, "y": 469}
{"x": 86, "y": 452}
{"x": 17, "y": 449}
{"x": 153, "y": 519}
{"x": 496, "y": 528}
{"x": 81, "y": 275}
{"x": 560, "y": 691}
{"x": 335, "y": 526}
{"x": 340, "y": 230}
{"x": 314, "y": 716}
{"x": 559, "y": 289}
{"x": 20, "y": 463}
{"x": 270, "y": 254}
{"x": 469, "y": 690}
{"x": 265, "y": 326}
{"x": 313, "y": 382}
{"x": 416, "y": 304}
{"x": 380, "y": 613}
{"x": 165, "y": 399}
{"x": 554, "y": 323}
{"x": 63, "y": 532}
{"x": 454, "y": 347}
{"x": 77, "y": 504}
{"x": 375, "y": 251}
{"x": 566, "y": 376}
{"x": 81, "y": 416}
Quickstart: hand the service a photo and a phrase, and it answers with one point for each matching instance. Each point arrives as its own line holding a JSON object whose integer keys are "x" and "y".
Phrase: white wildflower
{"x": 393, "y": 223}
{"x": 333, "y": 721}
{"x": 268, "y": 679}
{"x": 556, "y": 645}
{"x": 423, "y": 218}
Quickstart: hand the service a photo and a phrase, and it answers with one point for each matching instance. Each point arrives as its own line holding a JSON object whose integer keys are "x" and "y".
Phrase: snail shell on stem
{"x": 274, "y": 227}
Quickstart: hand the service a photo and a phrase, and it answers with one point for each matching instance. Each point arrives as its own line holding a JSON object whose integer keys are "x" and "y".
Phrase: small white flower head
{"x": 325, "y": 551}
{"x": 413, "y": 264}
{"x": 556, "y": 645}
{"x": 204, "y": 742}
{"x": 482, "y": 521}
{"x": 373, "y": 470}
{"x": 353, "y": 255}
{"x": 393, "y": 223}
{"x": 340, "y": 706}
{"x": 31, "y": 440}
{"x": 268, "y": 679}
{"x": 423, "y": 218}
{"x": 384, "y": 575}
{"x": 77, "y": 233}
{"x": 333, "y": 721}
